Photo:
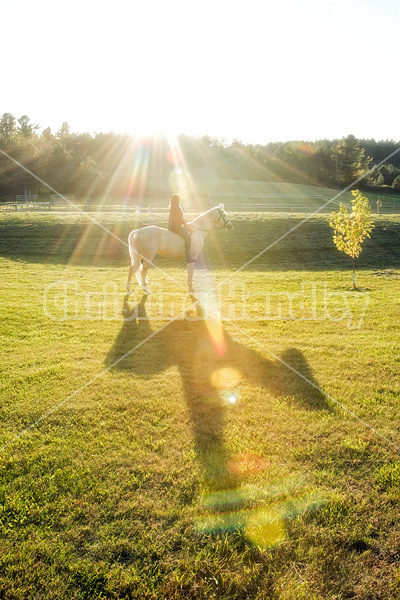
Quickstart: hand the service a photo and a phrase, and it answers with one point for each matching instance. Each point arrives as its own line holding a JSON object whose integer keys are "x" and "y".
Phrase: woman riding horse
{"x": 145, "y": 243}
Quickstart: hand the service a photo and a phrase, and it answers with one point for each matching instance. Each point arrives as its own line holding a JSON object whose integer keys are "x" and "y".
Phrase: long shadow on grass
{"x": 211, "y": 378}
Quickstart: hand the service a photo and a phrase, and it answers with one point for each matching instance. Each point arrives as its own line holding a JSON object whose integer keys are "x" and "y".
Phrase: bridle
{"x": 220, "y": 226}
{"x": 224, "y": 218}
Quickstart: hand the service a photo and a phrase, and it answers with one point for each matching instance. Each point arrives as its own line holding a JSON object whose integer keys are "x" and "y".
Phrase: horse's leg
{"x": 190, "y": 270}
{"x": 128, "y": 282}
{"x": 196, "y": 246}
{"x": 135, "y": 262}
{"x": 147, "y": 277}
{"x": 143, "y": 274}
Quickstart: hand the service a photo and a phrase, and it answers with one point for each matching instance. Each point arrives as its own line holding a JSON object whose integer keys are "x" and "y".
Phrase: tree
{"x": 396, "y": 183}
{"x": 324, "y": 164}
{"x": 47, "y": 135}
{"x": 64, "y": 131}
{"x": 26, "y": 129}
{"x": 386, "y": 174}
{"x": 350, "y": 161}
{"x": 59, "y": 168}
{"x": 88, "y": 176}
{"x": 7, "y": 128}
{"x": 350, "y": 230}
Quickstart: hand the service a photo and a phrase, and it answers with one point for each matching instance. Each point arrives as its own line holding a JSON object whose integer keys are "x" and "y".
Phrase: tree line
{"x": 133, "y": 167}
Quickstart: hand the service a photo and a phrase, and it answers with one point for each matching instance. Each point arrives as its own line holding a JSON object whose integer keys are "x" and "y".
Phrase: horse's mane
{"x": 203, "y": 215}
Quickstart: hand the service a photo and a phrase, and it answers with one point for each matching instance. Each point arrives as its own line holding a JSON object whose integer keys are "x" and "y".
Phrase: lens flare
{"x": 174, "y": 155}
{"x": 246, "y": 464}
{"x": 216, "y": 333}
{"x": 215, "y": 330}
{"x": 265, "y": 528}
{"x": 220, "y": 523}
{"x": 179, "y": 183}
{"x": 208, "y": 308}
{"x": 226, "y": 378}
{"x": 231, "y": 398}
{"x": 261, "y": 514}
{"x": 223, "y": 500}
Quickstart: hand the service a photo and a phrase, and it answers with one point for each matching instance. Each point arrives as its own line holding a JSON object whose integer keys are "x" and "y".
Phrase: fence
{"x": 250, "y": 203}
{"x": 296, "y": 202}
{"x": 272, "y": 202}
{"x": 27, "y": 198}
{"x": 24, "y": 203}
{"x": 62, "y": 201}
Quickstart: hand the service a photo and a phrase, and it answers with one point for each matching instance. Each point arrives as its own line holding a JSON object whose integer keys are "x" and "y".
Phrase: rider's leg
{"x": 185, "y": 235}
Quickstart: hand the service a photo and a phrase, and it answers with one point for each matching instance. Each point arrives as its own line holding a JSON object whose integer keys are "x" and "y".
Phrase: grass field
{"x": 253, "y": 458}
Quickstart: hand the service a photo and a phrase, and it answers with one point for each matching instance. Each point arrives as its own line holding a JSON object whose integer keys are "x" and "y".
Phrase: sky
{"x": 255, "y": 70}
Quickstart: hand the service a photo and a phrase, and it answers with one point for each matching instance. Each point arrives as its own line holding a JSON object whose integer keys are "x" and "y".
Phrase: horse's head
{"x": 223, "y": 219}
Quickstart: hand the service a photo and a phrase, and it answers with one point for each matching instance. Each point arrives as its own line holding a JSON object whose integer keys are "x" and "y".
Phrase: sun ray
{"x": 180, "y": 179}
{"x": 208, "y": 307}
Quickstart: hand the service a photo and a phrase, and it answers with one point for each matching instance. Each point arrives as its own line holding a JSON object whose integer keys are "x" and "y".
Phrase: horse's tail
{"x": 135, "y": 255}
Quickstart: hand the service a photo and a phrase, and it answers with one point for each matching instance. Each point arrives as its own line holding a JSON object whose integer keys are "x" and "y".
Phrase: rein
{"x": 217, "y": 223}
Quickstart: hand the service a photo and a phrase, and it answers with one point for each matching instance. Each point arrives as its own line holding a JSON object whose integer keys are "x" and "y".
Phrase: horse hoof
{"x": 191, "y": 290}
{"x": 146, "y": 291}
{"x": 128, "y": 291}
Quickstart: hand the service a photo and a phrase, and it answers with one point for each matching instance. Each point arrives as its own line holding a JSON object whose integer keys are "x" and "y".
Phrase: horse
{"x": 146, "y": 242}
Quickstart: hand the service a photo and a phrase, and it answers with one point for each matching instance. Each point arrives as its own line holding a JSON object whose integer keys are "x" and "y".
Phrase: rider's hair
{"x": 175, "y": 200}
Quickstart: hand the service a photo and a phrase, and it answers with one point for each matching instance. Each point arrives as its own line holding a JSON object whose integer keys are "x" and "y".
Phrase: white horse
{"x": 146, "y": 242}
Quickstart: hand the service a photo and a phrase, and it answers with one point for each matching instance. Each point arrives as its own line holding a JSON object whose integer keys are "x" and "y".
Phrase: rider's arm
{"x": 182, "y": 220}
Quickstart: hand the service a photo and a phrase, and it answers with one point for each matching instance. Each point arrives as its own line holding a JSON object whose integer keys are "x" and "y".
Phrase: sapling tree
{"x": 351, "y": 229}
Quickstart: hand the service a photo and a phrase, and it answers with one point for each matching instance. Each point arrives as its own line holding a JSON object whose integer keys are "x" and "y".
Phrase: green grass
{"x": 149, "y": 482}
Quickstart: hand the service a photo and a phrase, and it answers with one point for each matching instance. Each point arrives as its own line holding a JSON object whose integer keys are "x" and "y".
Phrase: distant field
{"x": 293, "y": 196}
{"x": 267, "y": 187}
{"x": 239, "y": 195}
{"x": 255, "y": 458}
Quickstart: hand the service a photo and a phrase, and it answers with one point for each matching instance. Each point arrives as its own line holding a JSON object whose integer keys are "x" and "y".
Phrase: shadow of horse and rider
{"x": 188, "y": 345}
